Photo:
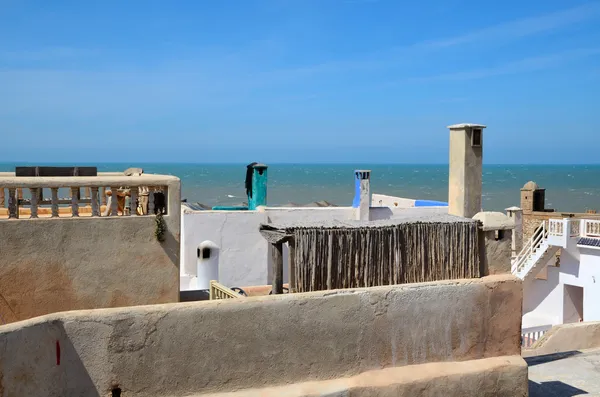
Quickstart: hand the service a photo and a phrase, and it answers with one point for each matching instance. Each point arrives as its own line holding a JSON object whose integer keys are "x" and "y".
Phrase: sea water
{"x": 568, "y": 187}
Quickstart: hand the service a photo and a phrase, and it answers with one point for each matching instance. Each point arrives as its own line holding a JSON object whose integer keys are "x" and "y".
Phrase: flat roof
{"x": 465, "y": 125}
{"x": 408, "y": 215}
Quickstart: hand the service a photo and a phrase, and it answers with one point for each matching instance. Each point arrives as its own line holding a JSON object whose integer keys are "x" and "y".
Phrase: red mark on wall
{"x": 57, "y": 353}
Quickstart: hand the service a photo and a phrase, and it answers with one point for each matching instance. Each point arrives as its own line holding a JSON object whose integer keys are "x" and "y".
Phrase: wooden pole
{"x": 330, "y": 260}
{"x": 277, "y": 256}
{"x": 292, "y": 264}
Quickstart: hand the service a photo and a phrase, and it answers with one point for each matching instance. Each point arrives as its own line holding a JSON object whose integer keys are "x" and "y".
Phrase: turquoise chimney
{"x": 256, "y": 185}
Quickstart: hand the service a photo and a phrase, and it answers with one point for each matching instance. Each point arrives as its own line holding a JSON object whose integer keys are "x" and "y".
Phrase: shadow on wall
{"x": 553, "y": 389}
{"x": 171, "y": 247}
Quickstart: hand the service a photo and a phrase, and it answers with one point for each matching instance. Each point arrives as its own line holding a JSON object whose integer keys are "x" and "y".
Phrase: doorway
{"x": 573, "y": 304}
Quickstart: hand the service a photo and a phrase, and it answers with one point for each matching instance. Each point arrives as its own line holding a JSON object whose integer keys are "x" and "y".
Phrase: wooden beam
{"x": 330, "y": 260}
{"x": 277, "y": 256}
{"x": 292, "y": 264}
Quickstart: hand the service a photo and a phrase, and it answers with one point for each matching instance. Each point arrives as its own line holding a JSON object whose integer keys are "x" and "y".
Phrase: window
{"x": 205, "y": 253}
{"x": 499, "y": 235}
{"x": 476, "y": 137}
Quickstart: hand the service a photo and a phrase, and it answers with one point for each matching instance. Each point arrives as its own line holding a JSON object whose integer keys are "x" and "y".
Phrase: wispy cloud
{"x": 45, "y": 54}
{"x": 512, "y": 30}
{"x": 526, "y": 65}
{"x": 522, "y": 27}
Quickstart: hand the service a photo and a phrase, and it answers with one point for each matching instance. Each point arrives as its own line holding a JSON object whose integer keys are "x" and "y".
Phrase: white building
{"x": 560, "y": 289}
{"x": 239, "y": 256}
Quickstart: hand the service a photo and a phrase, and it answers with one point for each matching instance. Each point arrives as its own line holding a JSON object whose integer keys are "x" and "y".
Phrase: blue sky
{"x": 298, "y": 80}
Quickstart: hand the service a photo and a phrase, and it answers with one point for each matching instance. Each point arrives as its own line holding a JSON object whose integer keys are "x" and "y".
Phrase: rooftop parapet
{"x": 26, "y": 196}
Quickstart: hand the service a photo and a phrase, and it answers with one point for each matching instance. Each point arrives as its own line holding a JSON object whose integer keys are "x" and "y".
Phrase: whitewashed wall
{"x": 382, "y": 200}
{"x": 244, "y": 257}
{"x": 544, "y": 300}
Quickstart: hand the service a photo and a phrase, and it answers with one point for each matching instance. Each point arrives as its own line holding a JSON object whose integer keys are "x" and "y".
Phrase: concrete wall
{"x": 231, "y": 345}
{"x": 49, "y": 265}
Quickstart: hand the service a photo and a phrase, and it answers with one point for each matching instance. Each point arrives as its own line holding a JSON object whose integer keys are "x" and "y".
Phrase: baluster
{"x": 75, "y": 201}
{"x": 54, "y": 202}
{"x": 151, "y": 201}
{"x": 2, "y": 202}
{"x": 13, "y": 204}
{"x": 95, "y": 203}
{"x": 114, "y": 201}
{"x": 103, "y": 196}
{"x": 133, "y": 201}
{"x": 34, "y": 201}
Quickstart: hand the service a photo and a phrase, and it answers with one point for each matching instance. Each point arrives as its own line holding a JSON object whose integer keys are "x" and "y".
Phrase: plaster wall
{"x": 498, "y": 376}
{"x": 498, "y": 252}
{"x": 50, "y": 265}
{"x": 567, "y": 338}
{"x": 382, "y": 200}
{"x": 230, "y": 345}
{"x": 464, "y": 194}
{"x": 244, "y": 256}
{"x": 544, "y": 300}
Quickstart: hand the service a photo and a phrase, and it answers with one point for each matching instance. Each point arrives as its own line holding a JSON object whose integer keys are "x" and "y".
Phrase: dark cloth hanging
{"x": 249, "y": 171}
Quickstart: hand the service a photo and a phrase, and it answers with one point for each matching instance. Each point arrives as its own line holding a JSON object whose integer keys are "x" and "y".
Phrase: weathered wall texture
{"x": 567, "y": 337}
{"x": 51, "y": 265}
{"x": 498, "y": 376}
{"x": 498, "y": 252}
{"x": 223, "y": 346}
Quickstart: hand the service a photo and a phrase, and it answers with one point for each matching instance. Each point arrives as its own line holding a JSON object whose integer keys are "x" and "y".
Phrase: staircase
{"x": 535, "y": 255}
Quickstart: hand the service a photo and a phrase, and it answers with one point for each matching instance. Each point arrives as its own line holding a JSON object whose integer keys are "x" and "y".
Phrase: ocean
{"x": 573, "y": 188}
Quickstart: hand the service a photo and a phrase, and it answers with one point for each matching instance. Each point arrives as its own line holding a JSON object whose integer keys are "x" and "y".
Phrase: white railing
{"x": 530, "y": 247}
{"x": 590, "y": 228}
{"x": 556, "y": 227}
{"x": 531, "y": 335}
{"x": 108, "y": 194}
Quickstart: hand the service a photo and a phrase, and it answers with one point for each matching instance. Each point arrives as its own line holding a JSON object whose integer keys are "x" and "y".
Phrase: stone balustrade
{"x": 32, "y": 197}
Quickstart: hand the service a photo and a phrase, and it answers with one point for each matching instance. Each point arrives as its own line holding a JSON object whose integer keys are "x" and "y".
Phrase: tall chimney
{"x": 362, "y": 194}
{"x": 466, "y": 155}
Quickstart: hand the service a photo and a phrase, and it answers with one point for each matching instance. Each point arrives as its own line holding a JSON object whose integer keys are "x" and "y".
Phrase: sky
{"x": 298, "y": 80}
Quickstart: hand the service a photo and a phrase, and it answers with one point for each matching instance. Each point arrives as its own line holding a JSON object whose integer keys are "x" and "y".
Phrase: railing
{"x": 219, "y": 291}
{"x": 530, "y": 247}
{"x": 108, "y": 194}
{"x": 531, "y": 335}
{"x": 590, "y": 228}
{"x": 575, "y": 227}
{"x": 556, "y": 227}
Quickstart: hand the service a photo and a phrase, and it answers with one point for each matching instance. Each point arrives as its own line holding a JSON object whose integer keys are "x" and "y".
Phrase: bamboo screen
{"x": 334, "y": 258}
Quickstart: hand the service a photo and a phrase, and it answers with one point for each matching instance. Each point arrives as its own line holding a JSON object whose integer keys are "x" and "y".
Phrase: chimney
{"x": 516, "y": 214}
{"x": 466, "y": 155}
{"x": 256, "y": 185}
{"x": 362, "y": 195}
